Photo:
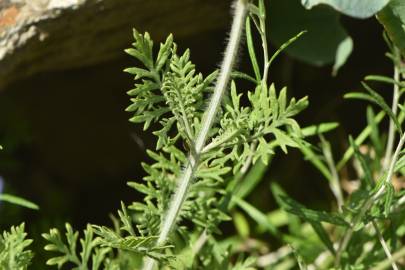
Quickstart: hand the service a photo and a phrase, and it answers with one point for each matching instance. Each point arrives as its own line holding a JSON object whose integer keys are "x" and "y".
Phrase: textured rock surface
{"x": 43, "y": 35}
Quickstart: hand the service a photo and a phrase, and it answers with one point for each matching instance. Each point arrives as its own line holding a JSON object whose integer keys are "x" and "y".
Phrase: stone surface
{"x": 43, "y": 35}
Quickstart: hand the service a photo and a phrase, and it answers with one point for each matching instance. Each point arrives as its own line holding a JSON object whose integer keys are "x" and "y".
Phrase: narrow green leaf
{"x": 319, "y": 129}
{"x": 375, "y": 134}
{"x": 251, "y": 180}
{"x": 259, "y": 217}
{"x": 262, "y": 9}
{"x": 378, "y": 100}
{"x": 241, "y": 225}
{"x": 399, "y": 164}
{"x": 323, "y": 236}
{"x": 324, "y": 38}
{"x": 389, "y": 196}
{"x": 283, "y": 139}
{"x": 343, "y": 52}
{"x": 384, "y": 79}
{"x": 282, "y": 100}
{"x": 18, "y": 201}
{"x": 316, "y": 161}
{"x": 164, "y": 53}
{"x": 364, "y": 165}
{"x": 309, "y": 215}
{"x": 359, "y": 140}
{"x": 285, "y": 45}
{"x": 251, "y": 50}
{"x": 244, "y": 76}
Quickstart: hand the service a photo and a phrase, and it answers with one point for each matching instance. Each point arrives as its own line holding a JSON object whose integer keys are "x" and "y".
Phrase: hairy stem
{"x": 209, "y": 117}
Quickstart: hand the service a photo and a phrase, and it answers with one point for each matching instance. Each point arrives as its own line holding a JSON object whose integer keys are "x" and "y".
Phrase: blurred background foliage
{"x": 69, "y": 147}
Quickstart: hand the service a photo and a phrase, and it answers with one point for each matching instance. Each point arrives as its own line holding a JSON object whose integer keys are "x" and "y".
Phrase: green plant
{"x": 187, "y": 195}
{"x": 214, "y": 143}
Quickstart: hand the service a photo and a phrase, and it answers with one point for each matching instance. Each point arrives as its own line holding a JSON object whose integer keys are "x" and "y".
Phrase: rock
{"x": 43, "y": 35}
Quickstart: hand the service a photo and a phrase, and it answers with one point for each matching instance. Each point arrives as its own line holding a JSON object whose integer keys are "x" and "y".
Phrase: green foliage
{"x": 363, "y": 229}
{"x": 13, "y": 249}
{"x": 171, "y": 94}
{"x": 90, "y": 256}
{"x": 125, "y": 238}
{"x": 268, "y": 114}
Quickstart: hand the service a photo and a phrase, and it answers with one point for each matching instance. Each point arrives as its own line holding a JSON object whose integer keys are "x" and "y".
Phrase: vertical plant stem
{"x": 262, "y": 30}
{"x": 391, "y": 130}
{"x": 261, "y": 27}
{"x": 209, "y": 117}
{"x": 224, "y": 75}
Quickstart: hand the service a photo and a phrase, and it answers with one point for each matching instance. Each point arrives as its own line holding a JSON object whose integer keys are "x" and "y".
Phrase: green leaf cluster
{"x": 91, "y": 254}
{"x": 14, "y": 254}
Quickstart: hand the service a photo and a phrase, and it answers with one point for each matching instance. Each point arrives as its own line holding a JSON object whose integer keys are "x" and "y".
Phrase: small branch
{"x": 384, "y": 245}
